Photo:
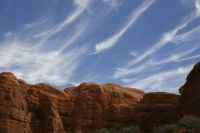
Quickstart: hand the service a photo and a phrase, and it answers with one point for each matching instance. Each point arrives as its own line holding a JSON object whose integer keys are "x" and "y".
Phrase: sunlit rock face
{"x": 43, "y": 108}
{"x": 190, "y": 92}
{"x": 96, "y": 106}
{"x": 28, "y": 108}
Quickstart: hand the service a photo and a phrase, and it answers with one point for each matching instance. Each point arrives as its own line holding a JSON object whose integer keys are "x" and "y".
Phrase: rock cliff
{"x": 190, "y": 92}
{"x": 42, "y": 108}
{"x": 156, "y": 109}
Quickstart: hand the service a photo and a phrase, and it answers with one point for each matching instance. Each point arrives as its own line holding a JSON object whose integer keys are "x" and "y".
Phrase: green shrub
{"x": 107, "y": 130}
{"x": 189, "y": 122}
{"x": 129, "y": 130}
{"x": 168, "y": 129}
{"x": 186, "y": 124}
{"x": 122, "y": 130}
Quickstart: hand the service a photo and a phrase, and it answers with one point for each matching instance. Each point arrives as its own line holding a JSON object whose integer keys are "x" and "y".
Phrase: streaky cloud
{"x": 37, "y": 23}
{"x": 61, "y": 26}
{"x": 153, "y": 64}
{"x": 135, "y": 15}
{"x": 34, "y": 60}
{"x": 37, "y": 65}
{"x": 197, "y": 5}
{"x": 187, "y": 35}
{"x": 82, "y": 5}
{"x": 160, "y": 81}
{"x": 166, "y": 38}
{"x": 113, "y": 3}
{"x": 178, "y": 56}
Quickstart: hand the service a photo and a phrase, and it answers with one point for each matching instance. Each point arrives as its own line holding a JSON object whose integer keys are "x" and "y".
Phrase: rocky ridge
{"x": 42, "y": 108}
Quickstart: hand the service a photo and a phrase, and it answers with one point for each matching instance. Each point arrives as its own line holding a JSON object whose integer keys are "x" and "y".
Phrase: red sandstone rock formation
{"x": 190, "y": 92}
{"x": 97, "y": 106}
{"x": 42, "y": 108}
{"x": 156, "y": 109}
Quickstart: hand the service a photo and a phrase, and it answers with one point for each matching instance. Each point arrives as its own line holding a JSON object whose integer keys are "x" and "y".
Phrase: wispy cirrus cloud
{"x": 197, "y": 5}
{"x": 172, "y": 36}
{"x": 143, "y": 71}
{"x": 36, "y": 65}
{"x": 169, "y": 80}
{"x": 135, "y": 15}
{"x": 113, "y": 3}
{"x": 50, "y": 51}
{"x": 46, "y": 47}
{"x": 37, "y": 23}
{"x": 166, "y": 38}
{"x": 176, "y": 56}
{"x": 82, "y": 3}
{"x": 55, "y": 47}
{"x": 81, "y": 7}
{"x": 37, "y": 60}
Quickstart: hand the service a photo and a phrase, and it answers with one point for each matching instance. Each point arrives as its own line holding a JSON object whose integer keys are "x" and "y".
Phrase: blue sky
{"x": 147, "y": 44}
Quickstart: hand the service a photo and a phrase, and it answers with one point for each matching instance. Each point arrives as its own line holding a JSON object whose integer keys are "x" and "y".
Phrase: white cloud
{"x": 122, "y": 72}
{"x": 178, "y": 56}
{"x": 41, "y": 59}
{"x": 163, "y": 81}
{"x": 37, "y": 23}
{"x": 111, "y": 41}
{"x": 128, "y": 80}
{"x": 187, "y": 35}
{"x": 113, "y": 3}
{"x": 192, "y": 3}
{"x": 62, "y": 25}
{"x": 153, "y": 64}
{"x": 166, "y": 38}
{"x": 82, "y": 3}
{"x": 133, "y": 53}
{"x": 8, "y": 34}
{"x": 75, "y": 36}
{"x": 147, "y": 62}
{"x": 197, "y": 5}
{"x": 36, "y": 65}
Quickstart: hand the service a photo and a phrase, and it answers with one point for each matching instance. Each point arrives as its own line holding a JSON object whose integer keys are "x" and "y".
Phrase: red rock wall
{"x": 156, "y": 109}
{"x": 42, "y": 108}
{"x": 190, "y": 92}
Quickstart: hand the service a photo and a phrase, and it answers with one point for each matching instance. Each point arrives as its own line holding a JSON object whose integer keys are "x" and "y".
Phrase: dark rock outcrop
{"x": 190, "y": 93}
{"x": 156, "y": 109}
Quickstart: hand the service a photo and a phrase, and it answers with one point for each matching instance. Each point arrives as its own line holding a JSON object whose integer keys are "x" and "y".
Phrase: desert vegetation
{"x": 122, "y": 130}
{"x": 187, "y": 124}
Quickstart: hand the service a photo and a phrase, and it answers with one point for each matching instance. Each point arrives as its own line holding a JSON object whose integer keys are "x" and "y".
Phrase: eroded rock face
{"x": 97, "y": 106}
{"x": 156, "y": 109}
{"x": 28, "y": 108}
{"x": 190, "y": 92}
{"x": 42, "y": 108}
